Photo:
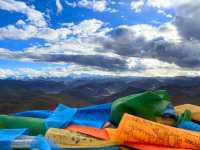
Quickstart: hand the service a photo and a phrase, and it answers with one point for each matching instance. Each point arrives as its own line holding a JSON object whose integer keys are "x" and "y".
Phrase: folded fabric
{"x": 8, "y": 135}
{"x": 35, "y": 114}
{"x": 189, "y": 125}
{"x": 61, "y": 117}
{"x": 94, "y": 116}
{"x": 70, "y": 139}
{"x": 35, "y": 126}
{"x": 149, "y": 105}
{"x": 193, "y": 108}
{"x": 134, "y": 129}
{"x": 94, "y": 132}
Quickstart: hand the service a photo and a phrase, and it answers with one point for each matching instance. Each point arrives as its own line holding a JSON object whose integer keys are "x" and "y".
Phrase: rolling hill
{"x": 20, "y": 95}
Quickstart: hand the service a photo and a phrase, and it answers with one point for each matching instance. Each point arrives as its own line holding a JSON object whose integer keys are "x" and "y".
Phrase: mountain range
{"x": 21, "y": 95}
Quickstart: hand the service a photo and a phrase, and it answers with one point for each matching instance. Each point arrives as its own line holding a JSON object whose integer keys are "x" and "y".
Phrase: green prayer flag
{"x": 148, "y": 105}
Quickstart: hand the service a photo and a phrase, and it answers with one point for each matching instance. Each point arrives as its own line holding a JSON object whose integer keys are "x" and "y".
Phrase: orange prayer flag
{"x": 138, "y": 130}
{"x": 151, "y": 147}
{"x": 113, "y": 134}
{"x": 94, "y": 132}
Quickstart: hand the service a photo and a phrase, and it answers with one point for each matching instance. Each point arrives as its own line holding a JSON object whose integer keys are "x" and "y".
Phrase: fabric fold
{"x": 35, "y": 114}
{"x": 94, "y": 116}
{"x": 61, "y": 117}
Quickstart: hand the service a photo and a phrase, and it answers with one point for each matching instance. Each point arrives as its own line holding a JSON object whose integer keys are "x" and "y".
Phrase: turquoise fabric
{"x": 8, "y": 135}
{"x": 94, "y": 116}
{"x": 61, "y": 117}
{"x": 189, "y": 125}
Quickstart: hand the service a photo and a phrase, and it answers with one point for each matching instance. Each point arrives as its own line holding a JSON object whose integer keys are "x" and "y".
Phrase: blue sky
{"x": 107, "y": 37}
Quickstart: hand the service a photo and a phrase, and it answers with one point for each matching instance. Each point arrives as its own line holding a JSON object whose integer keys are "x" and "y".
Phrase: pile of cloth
{"x": 144, "y": 121}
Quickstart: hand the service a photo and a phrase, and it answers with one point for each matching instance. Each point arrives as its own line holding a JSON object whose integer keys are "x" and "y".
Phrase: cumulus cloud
{"x": 137, "y": 5}
{"x": 163, "y": 43}
{"x": 96, "y": 5}
{"x": 87, "y": 27}
{"x": 35, "y": 17}
{"x": 22, "y": 31}
{"x": 99, "y": 5}
{"x": 187, "y": 20}
{"x": 132, "y": 40}
{"x": 29, "y": 31}
{"x": 167, "y": 4}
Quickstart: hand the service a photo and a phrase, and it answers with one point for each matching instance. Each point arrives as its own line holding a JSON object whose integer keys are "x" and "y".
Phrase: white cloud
{"x": 20, "y": 23}
{"x": 71, "y": 4}
{"x": 53, "y": 35}
{"x": 96, "y": 5}
{"x": 59, "y": 6}
{"x": 72, "y": 39}
{"x": 100, "y": 5}
{"x": 24, "y": 31}
{"x": 166, "y": 4}
{"x": 137, "y": 5}
{"x": 168, "y": 31}
{"x": 35, "y": 17}
{"x": 29, "y": 31}
{"x": 150, "y": 67}
{"x": 162, "y": 12}
{"x": 87, "y": 27}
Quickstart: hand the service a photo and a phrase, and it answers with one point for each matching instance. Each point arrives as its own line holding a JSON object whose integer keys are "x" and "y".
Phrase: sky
{"x": 58, "y": 38}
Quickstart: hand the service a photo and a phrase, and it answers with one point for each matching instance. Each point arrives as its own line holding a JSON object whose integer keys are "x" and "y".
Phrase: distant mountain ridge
{"x": 19, "y": 95}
